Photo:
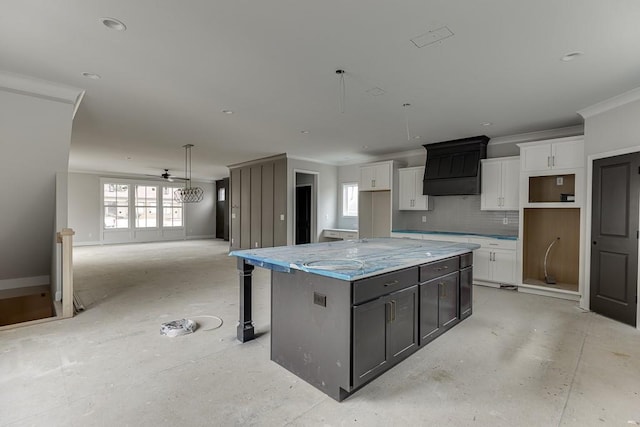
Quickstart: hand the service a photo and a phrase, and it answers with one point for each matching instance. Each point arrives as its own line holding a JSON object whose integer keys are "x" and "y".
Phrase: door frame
{"x": 314, "y": 203}
{"x": 586, "y": 292}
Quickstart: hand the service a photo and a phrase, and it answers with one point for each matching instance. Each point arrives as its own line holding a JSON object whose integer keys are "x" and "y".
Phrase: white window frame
{"x": 173, "y": 189}
{"x": 345, "y": 192}
{"x": 136, "y": 206}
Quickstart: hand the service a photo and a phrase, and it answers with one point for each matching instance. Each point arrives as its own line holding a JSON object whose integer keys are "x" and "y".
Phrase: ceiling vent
{"x": 432, "y": 37}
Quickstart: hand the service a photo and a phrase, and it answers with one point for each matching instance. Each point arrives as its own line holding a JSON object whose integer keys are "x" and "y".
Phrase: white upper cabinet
{"x": 561, "y": 153}
{"x": 500, "y": 184}
{"x": 410, "y": 190}
{"x": 376, "y": 176}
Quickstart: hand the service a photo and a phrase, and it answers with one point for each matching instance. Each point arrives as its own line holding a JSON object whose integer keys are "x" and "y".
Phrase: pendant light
{"x": 188, "y": 194}
{"x": 343, "y": 89}
{"x": 406, "y": 120}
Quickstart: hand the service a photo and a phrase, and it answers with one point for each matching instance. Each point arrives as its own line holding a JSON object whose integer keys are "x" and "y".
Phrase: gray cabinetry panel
{"x": 369, "y": 340}
{"x": 256, "y": 206}
{"x": 448, "y": 301}
{"x": 267, "y": 205}
{"x": 466, "y": 291}
{"x": 429, "y": 320}
{"x": 245, "y": 207}
{"x": 280, "y": 202}
{"x": 235, "y": 209}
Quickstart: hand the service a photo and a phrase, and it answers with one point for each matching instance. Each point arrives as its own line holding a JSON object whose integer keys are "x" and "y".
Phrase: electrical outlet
{"x": 559, "y": 180}
{"x": 424, "y": 218}
{"x": 505, "y": 220}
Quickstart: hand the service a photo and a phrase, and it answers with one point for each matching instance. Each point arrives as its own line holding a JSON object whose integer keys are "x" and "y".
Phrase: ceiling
{"x": 168, "y": 77}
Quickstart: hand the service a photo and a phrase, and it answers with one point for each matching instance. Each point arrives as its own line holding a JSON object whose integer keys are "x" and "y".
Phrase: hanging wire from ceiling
{"x": 406, "y": 119}
{"x": 342, "y": 89}
{"x": 188, "y": 194}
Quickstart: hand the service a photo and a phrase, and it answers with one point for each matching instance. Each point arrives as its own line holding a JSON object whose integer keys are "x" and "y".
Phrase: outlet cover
{"x": 559, "y": 180}
{"x": 424, "y": 218}
{"x": 505, "y": 221}
{"x": 281, "y": 217}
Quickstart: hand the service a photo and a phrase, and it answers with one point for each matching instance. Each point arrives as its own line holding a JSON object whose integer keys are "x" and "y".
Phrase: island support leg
{"x": 245, "y": 325}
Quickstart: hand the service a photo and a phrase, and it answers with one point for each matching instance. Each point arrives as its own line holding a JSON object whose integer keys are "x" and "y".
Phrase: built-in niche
{"x": 546, "y": 226}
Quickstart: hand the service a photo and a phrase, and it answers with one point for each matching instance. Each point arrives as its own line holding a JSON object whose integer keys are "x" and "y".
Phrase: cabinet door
{"x": 369, "y": 339}
{"x": 256, "y": 206}
{"x": 481, "y": 259}
{"x": 402, "y": 332}
{"x": 568, "y": 154}
{"x": 490, "y": 196}
{"x": 429, "y": 321}
{"x": 466, "y": 291}
{"x": 448, "y": 301}
{"x": 536, "y": 158}
{"x": 406, "y": 189}
{"x": 510, "y": 184}
{"x": 382, "y": 177}
{"x": 503, "y": 266}
{"x": 421, "y": 202}
{"x": 245, "y": 207}
{"x": 366, "y": 178}
{"x": 235, "y": 209}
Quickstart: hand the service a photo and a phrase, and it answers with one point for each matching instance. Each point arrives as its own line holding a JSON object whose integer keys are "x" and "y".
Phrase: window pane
{"x": 110, "y": 217}
{"x": 141, "y": 217}
{"x": 221, "y": 194}
{"x": 350, "y": 200}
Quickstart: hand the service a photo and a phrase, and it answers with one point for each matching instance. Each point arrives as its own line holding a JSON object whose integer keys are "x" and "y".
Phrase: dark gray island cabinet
{"x": 343, "y": 313}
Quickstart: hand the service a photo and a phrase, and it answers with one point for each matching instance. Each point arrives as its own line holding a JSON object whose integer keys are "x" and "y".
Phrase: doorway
{"x": 614, "y": 237}
{"x": 305, "y": 207}
{"x": 222, "y": 209}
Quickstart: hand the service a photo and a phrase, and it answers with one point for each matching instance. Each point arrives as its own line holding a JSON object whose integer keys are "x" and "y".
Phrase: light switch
{"x": 281, "y": 217}
{"x": 233, "y": 216}
{"x": 559, "y": 180}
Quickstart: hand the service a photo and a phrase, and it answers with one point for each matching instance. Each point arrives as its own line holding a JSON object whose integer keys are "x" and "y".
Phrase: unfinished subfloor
{"x": 520, "y": 360}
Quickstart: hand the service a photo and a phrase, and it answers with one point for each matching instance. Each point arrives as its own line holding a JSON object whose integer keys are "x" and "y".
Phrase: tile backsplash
{"x": 458, "y": 214}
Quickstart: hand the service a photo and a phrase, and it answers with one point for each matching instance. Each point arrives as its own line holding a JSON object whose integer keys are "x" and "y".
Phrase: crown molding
{"x": 540, "y": 135}
{"x": 611, "y": 103}
{"x": 43, "y": 89}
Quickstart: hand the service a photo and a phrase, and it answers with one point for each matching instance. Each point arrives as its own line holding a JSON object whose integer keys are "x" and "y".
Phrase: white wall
{"x": 327, "y": 194}
{"x": 35, "y": 135}
{"x": 85, "y": 213}
{"x": 612, "y": 130}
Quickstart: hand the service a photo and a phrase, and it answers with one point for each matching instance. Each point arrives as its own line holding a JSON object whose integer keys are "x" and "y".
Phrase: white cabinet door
{"x": 367, "y": 176}
{"x": 410, "y": 190}
{"x": 535, "y": 158}
{"x": 568, "y": 154}
{"x": 503, "y": 265}
{"x": 406, "y": 189}
{"x": 481, "y": 261}
{"x": 490, "y": 196}
{"x": 510, "y": 184}
{"x": 382, "y": 177}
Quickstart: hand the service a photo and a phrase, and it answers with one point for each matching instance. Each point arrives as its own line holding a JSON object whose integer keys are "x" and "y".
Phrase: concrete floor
{"x": 520, "y": 360}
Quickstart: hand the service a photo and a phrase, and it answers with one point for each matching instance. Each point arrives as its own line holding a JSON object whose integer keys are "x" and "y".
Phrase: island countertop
{"x": 353, "y": 259}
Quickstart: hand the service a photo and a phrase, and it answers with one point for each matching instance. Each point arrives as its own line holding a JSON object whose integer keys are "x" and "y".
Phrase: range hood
{"x": 453, "y": 167}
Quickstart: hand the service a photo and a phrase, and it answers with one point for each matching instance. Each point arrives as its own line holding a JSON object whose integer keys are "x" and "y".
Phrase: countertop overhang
{"x": 353, "y": 259}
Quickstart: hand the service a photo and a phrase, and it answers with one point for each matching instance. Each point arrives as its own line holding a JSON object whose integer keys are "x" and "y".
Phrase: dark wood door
{"x": 614, "y": 235}
{"x": 303, "y": 214}
{"x": 369, "y": 340}
{"x": 402, "y": 335}
{"x": 222, "y": 209}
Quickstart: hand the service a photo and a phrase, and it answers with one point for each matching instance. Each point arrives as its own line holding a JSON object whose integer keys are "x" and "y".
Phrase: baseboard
{"x": 24, "y": 282}
{"x": 203, "y": 237}
{"x": 547, "y": 292}
{"x": 88, "y": 243}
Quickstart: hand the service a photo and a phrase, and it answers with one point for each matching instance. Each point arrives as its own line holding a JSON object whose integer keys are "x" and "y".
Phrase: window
{"x": 171, "y": 209}
{"x": 146, "y": 206}
{"x": 350, "y": 199}
{"x": 116, "y": 206}
{"x": 221, "y": 194}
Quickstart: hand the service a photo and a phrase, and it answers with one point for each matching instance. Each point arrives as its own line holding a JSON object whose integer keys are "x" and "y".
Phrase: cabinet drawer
{"x": 466, "y": 260}
{"x": 332, "y": 233}
{"x": 439, "y": 268}
{"x": 374, "y": 287}
{"x": 494, "y": 243}
{"x": 348, "y": 235}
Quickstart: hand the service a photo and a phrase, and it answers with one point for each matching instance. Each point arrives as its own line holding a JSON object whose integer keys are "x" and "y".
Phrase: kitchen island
{"x": 344, "y": 312}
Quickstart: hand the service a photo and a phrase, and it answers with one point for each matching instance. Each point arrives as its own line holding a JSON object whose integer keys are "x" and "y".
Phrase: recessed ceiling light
{"x": 92, "y": 76}
{"x": 571, "y": 56}
{"x": 486, "y": 124}
{"x": 365, "y": 146}
{"x": 227, "y": 111}
{"x": 304, "y": 131}
{"x": 417, "y": 137}
{"x": 128, "y": 157}
{"x": 113, "y": 24}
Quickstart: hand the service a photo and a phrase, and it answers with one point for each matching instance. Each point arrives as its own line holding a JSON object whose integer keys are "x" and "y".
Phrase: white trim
{"x": 609, "y": 104}
{"x": 24, "y": 282}
{"x": 549, "y": 292}
{"x": 29, "y": 86}
{"x": 87, "y": 243}
{"x": 198, "y": 237}
{"x": 584, "y": 301}
{"x": 549, "y": 134}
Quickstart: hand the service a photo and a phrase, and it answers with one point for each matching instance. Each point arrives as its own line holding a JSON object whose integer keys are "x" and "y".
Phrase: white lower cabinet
{"x": 495, "y": 261}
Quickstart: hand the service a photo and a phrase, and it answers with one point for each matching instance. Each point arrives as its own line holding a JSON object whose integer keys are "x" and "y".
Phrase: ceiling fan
{"x": 168, "y": 177}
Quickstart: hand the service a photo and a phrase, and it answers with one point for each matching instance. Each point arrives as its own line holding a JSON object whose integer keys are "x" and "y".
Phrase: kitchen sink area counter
{"x": 344, "y": 312}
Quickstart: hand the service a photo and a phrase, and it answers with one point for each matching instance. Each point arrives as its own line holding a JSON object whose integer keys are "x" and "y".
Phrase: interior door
{"x": 614, "y": 233}
{"x": 303, "y": 214}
